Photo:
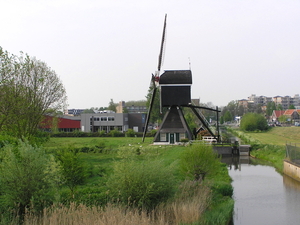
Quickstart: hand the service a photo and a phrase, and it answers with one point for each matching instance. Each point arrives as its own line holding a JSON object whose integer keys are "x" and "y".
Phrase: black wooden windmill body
{"x": 175, "y": 93}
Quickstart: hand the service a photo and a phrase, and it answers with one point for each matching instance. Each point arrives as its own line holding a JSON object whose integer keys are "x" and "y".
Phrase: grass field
{"x": 278, "y": 136}
{"x": 270, "y": 145}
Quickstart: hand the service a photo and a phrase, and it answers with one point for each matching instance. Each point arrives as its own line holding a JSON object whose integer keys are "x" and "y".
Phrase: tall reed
{"x": 187, "y": 207}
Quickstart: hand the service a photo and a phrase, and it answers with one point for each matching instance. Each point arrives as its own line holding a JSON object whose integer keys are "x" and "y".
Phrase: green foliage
{"x": 6, "y": 139}
{"x": 292, "y": 106}
{"x": 142, "y": 184}
{"x": 253, "y": 121}
{"x": 28, "y": 89}
{"x": 112, "y": 106}
{"x": 228, "y": 116}
{"x": 115, "y": 133}
{"x": 155, "y": 116}
{"x": 282, "y": 119}
{"x": 221, "y": 119}
{"x": 270, "y": 108}
{"x": 73, "y": 169}
{"x": 153, "y": 132}
{"x": 198, "y": 161}
{"x": 219, "y": 214}
{"x": 130, "y": 133}
{"x": 27, "y": 176}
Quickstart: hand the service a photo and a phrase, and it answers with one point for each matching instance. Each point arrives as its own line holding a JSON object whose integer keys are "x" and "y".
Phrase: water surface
{"x": 262, "y": 195}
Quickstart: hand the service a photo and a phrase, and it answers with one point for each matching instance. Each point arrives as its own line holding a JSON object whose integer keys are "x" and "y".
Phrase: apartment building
{"x": 284, "y": 101}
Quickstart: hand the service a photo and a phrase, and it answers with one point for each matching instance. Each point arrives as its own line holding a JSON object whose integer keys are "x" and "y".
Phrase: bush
{"x": 130, "y": 133}
{"x": 73, "y": 169}
{"x": 6, "y": 139}
{"x": 198, "y": 161}
{"x": 253, "y": 122}
{"x": 28, "y": 177}
{"x": 115, "y": 133}
{"x": 141, "y": 184}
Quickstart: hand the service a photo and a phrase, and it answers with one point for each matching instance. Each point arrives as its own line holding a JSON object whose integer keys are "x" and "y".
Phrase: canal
{"x": 261, "y": 194}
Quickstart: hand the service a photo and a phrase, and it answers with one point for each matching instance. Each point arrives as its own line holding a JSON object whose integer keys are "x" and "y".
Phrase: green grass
{"x": 112, "y": 142}
{"x": 270, "y": 145}
{"x": 101, "y": 165}
{"x": 278, "y": 135}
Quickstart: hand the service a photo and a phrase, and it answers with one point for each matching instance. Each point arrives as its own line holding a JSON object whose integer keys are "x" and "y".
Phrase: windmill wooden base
{"x": 173, "y": 128}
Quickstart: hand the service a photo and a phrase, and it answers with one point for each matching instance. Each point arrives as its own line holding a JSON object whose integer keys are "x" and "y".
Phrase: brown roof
{"x": 278, "y": 113}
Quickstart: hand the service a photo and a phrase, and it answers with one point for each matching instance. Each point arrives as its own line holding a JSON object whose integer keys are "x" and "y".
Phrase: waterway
{"x": 261, "y": 194}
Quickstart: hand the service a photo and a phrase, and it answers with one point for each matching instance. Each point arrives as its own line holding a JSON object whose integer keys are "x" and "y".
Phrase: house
{"x": 276, "y": 114}
{"x": 292, "y": 115}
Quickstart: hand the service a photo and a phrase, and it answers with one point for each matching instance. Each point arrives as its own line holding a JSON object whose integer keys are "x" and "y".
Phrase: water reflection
{"x": 262, "y": 195}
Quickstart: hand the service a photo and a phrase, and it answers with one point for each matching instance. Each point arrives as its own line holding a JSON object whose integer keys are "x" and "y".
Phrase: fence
{"x": 293, "y": 153}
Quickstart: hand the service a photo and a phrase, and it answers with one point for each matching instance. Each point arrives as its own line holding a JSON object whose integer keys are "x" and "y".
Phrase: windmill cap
{"x": 176, "y": 77}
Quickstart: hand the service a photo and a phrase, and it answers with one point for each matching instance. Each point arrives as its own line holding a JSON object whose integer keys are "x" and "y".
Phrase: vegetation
{"x": 29, "y": 88}
{"x": 126, "y": 182}
{"x": 270, "y": 145}
{"x": 253, "y": 121}
{"x": 27, "y": 178}
{"x": 198, "y": 161}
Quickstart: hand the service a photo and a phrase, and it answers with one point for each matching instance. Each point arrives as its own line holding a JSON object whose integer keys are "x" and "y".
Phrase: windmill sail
{"x": 155, "y": 79}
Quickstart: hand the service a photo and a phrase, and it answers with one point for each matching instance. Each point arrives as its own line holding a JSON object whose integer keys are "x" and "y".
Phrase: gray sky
{"x": 104, "y": 50}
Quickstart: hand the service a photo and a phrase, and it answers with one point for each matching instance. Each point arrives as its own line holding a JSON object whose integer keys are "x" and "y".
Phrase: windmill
{"x": 175, "y": 93}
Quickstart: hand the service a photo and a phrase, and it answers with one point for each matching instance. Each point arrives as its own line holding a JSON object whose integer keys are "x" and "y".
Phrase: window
{"x": 111, "y": 118}
{"x": 103, "y": 118}
{"x": 163, "y": 137}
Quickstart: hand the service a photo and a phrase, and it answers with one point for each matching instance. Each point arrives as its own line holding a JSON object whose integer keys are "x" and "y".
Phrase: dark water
{"x": 262, "y": 195}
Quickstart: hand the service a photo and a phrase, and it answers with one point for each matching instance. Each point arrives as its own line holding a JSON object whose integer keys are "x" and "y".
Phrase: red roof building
{"x": 63, "y": 123}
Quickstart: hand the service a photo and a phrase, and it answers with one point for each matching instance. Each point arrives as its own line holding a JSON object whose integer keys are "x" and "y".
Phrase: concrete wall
{"x": 292, "y": 170}
{"x": 223, "y": 150}
{"x": 244, "y": 150}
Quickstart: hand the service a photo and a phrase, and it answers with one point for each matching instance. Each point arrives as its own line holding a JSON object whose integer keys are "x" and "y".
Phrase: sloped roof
{"x": 278, "y": 113}
{"x": 176, "y": 77}
{"x": 290, "y": 112}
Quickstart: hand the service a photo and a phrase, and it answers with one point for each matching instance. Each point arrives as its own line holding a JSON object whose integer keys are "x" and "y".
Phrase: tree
{"x": 282, "y": 118}
{"x": 28, "y": 88}
{"x": 155, "y": 116}
{"x": 112, "y": 106}
{"x": 270, "y": 108}
{"x": 253, "y": 121}
{"x": 228, "y": 116}
{"x": 292, "y": 106}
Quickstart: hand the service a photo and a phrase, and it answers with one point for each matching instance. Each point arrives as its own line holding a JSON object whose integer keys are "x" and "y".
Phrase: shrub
{"x": 6, "y": 139}
{"x": 73, "y": 169}
{"x": 115, "y": 133}
{"x": 28, "y": 176}
{"x": 199, "y": 160}
{"x": 253, "y": 122}
{"x": 141, "y": 184}
{"x": 130, "y": 133}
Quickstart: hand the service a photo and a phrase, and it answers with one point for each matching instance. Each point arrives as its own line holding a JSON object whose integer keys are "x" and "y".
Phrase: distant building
{"x": 263, "y": 101}
{"x": 96, "y": 122}
{"x": 122, "y": 107}
{"x": 75, "y": 112}
{"x": 60, "y": 123}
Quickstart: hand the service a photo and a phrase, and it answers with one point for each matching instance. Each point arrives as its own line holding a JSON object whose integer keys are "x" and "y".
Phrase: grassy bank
{"x": 189, "y": 201}
{"x": 270, "y": 145}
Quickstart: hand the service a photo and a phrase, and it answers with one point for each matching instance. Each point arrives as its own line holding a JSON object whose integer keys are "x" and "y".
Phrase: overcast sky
{"x": 104, "y": 50}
